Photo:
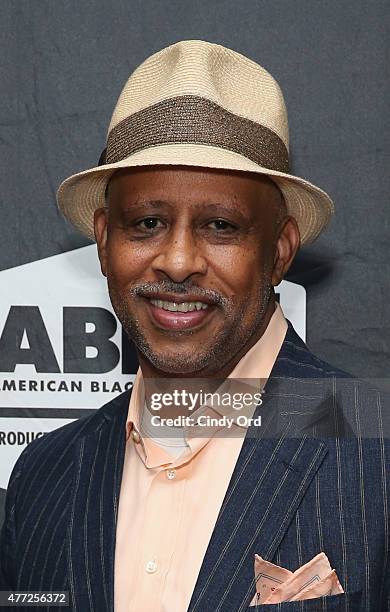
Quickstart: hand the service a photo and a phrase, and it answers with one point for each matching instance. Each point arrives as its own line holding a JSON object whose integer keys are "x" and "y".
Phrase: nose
{"x": 180, "y": 257}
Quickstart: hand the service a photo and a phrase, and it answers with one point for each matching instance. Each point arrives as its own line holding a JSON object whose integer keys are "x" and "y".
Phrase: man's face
{"x": 189, "y": 255}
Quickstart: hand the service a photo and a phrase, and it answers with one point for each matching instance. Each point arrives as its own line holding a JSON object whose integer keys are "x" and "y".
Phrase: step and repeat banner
{"x": 62, "y": 350}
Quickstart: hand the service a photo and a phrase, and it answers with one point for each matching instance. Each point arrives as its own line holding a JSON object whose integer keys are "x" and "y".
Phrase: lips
{"x": 179, "y": 315}
{"x": 179, "y": 306}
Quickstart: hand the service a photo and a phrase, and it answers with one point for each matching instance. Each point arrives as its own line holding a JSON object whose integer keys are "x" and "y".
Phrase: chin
{"x": 179, "y": 364}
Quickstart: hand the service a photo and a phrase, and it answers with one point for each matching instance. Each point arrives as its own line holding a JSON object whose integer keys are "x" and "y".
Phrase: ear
{"x": 100, "y": 220}
{"x": 287, "y": 244}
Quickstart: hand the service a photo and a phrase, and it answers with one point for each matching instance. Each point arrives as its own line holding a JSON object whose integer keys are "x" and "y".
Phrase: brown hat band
{"x": 193, "y": 119}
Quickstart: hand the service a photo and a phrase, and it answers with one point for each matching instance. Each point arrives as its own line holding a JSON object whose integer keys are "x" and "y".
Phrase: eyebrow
{"x": 218, "y": 207}
{"x": 215, "y": 207}
{"x": 154, "y": 203}
{"x": 211, "y": 208}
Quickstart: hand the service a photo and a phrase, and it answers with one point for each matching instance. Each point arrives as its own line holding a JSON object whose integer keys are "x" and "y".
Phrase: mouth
{"x": 179, "y": 313}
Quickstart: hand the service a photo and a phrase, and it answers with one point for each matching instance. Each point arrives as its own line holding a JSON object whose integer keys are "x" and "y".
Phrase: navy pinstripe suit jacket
{"x": 290, "y": 496}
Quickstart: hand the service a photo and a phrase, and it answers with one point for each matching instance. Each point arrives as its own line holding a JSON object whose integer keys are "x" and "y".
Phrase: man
{"x": 197, "y": 219}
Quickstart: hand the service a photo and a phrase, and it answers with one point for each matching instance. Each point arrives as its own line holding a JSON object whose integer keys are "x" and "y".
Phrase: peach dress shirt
{"x": 168, "y": 504}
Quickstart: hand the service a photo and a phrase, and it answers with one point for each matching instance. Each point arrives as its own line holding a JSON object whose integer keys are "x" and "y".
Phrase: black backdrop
{"x": 64, "y": 63}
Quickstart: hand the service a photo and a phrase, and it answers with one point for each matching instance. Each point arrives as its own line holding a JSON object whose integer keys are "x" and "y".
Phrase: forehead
{"x": 189, "y": 183}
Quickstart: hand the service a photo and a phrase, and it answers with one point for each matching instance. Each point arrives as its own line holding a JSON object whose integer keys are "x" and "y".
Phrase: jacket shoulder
{"x": 365, "y": 406}
{"x": 42, "y": 453}
{"x": 296, "y": 359}
{"x": 67, "y": 435}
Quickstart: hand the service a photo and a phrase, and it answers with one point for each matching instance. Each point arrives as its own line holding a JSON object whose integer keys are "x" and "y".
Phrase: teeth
{"x": 179, "y": 307}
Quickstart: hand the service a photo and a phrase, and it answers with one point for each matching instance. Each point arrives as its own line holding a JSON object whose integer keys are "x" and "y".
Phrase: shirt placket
{"x": 163, "y": 510}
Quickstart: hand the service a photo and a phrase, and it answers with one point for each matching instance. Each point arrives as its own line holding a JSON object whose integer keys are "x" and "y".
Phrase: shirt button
{"x": 171, "y": 474}
{"x": 151, "y": 567}
{"x": 135, "y": 435}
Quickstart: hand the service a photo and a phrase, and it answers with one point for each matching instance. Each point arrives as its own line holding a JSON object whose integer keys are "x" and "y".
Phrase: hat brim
{"x": 82, "y": 193}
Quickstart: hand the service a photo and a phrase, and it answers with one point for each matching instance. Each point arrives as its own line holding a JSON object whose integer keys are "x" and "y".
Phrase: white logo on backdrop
{"x": 15, "y": 434}
{"x": 61, "y": 343}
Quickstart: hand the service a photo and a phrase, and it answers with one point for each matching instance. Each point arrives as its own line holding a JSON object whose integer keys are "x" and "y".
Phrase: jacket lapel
{"x": 98, "y": 459}
{"x": 270, "y": 478}
{"x": 273, "y": 471}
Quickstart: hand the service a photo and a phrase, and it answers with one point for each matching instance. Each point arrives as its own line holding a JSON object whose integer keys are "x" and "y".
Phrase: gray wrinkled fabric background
{"x": 63, "y": 65}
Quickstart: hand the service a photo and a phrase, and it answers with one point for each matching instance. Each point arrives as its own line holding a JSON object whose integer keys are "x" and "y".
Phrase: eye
{"x": 220, "y": 225}
{"x": 149, "y": 223}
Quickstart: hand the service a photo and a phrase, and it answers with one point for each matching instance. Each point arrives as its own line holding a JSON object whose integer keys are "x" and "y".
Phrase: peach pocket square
{"x": 276, "y": 584}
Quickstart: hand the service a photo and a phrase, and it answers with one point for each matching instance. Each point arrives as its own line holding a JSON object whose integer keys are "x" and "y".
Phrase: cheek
{"x": 125, "y": 262}
{"x": 240, "y": 270}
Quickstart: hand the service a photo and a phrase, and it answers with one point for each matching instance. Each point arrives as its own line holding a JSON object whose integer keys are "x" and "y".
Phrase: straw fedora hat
{"x": 199, "y": 104}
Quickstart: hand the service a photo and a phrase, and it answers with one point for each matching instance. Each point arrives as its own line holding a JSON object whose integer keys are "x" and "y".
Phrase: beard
{"x": 204, "y": 359}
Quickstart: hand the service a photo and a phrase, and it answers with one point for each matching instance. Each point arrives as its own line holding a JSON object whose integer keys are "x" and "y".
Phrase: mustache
{"x": 148, "y": 289}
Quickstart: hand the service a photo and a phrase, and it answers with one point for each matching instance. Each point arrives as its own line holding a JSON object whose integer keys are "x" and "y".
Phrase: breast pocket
{"x": 347, "y": 602}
